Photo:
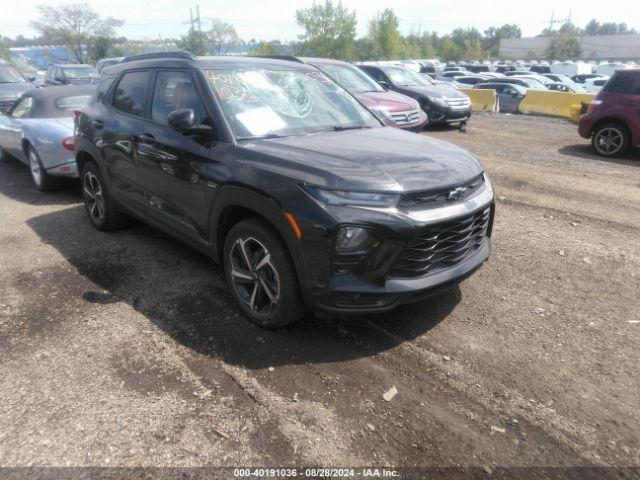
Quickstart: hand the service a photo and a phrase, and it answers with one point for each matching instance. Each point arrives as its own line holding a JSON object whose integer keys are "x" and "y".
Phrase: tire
{"x": 101, "y": 209}
{"x": 41, "y": 179}
{"x": 261, "y": 276}
{"x": 610, "y": 140}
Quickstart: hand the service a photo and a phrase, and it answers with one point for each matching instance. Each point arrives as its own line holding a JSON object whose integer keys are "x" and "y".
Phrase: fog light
{"x": 352, "y": 238}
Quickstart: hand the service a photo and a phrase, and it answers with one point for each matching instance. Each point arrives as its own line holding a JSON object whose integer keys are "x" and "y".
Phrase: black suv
{"x": 442, "y": 104}
{"x": 275, "y": 171}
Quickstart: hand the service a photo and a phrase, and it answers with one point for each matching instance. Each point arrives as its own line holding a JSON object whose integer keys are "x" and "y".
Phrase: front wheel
{"x": 100, "y": 207}
{"x": 610, "y": 140}
{"x": 261, "y": 276}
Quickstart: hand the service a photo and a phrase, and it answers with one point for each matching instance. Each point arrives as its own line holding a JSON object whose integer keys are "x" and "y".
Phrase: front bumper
{"x": 377, "y": 290}
{"x": 447, "y": 115}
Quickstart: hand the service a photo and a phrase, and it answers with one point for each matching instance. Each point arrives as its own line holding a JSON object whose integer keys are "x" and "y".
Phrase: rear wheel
{"x": 41, "y": 179}
{"x": 261, "y": 276}
{"x": 102, "y": 212}
{"x": 610, "y": 140}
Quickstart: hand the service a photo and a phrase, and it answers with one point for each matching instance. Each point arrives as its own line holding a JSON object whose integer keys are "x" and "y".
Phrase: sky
{"x": 271, "y": 19}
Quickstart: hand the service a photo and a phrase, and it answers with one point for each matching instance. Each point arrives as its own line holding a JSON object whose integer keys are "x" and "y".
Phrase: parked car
{"x": 106, "y": 62}
{"x": 394, "y": 109}
{"x": 542, "y": 69}
{"x": 558, "y": 78}
{"x": 584, "y": 77}
{"x": 512, "y": 73}
{"x": 468, "y": 81}
{"x": 442, "y": 105}
{"x": 504, "y": 69}
{"x": 70, "y": 74}
{"x": 38, "y": 131}
{"x": 594, "y": 85}
{"x": 452, "y": 75}
{"x": 478, "y": 68}
{"x": 509, "y": 95}
{"x": 523, "y": 82}
{"x": 285, "y": 179}
{"x": 565, "y": 87}
{"x": 612, "y": 120}
{"x": 12, "y": 85}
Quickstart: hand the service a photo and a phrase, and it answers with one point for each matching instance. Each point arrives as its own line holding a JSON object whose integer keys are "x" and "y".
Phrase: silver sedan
{"x": 38, "y": 131}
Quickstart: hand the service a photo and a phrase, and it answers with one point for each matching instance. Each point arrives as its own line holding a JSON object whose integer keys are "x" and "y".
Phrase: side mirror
{"x": 182, "y": 120}
{"x": 31, "y": 78}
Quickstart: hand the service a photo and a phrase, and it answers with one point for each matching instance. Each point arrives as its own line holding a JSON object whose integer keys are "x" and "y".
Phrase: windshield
{"x": 351, "y": 78}
{"x": 262, "y": 103}
{"x": 8, "y": 74}
{"x": 78, "y": 72}
{"x": 404, "y": 77}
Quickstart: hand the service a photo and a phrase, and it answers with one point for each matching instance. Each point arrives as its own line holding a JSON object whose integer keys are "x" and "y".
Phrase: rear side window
{"x": 131, "y": 93}
{"x": 23, "y": 108}
{"x": 102, "y": 89}
{"x": 174, "y": 90}
{"x": 624, "y": 83}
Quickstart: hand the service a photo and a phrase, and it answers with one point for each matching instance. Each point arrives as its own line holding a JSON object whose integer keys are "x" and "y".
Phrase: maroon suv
{"x": 613, "y": 118}
{"x": 393, "y": 109}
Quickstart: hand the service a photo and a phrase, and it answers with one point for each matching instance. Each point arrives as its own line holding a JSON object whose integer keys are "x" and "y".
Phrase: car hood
{"x": 10, "y": 91}
{"x": 377, "y": 159}
{"x": 436, "y": 91}
{"x": 394, "y": 102}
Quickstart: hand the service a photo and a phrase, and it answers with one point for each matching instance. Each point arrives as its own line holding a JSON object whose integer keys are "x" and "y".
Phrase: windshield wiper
{"x": 340, "y": 128}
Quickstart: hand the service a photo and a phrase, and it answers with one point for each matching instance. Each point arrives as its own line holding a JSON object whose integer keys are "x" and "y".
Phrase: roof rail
{"x": 290, "y": 58}
{"x": 151, "y": 56}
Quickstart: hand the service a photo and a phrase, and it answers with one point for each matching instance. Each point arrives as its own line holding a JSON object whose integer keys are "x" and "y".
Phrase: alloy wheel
{"x": 609, "y": 140}
{"x": 92, "y": 193}
{"x": 254, "y": 276}
{"x": 34, "y": 166}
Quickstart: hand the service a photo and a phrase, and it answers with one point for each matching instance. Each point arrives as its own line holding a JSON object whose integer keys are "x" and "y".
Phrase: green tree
{"x": 420, "y": 45}
{"x": 449, "y": 50}
{"x": 493, "y": 35}
{"x": 195, "y": 42}
{"x": 329, "y": 30}
{"x": 273, "y": 47}
{"x": 4, "y": 50}
{"x": 222, "y": 35}
{"x": 384, "y": 33}
{"x": 76, "y": 26}
{"x": 563, "y": 46}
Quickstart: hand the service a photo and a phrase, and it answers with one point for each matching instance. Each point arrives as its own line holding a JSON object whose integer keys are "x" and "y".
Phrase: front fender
{"x": 268, "y": 208}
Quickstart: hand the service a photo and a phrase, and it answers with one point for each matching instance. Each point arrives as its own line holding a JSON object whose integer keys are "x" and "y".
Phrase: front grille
{"x": 435, "y": 198}
{"x": 443, "y": 245}
{"x": 5, "y": 105}
{"x": 409, "y": 117}
{"x": 458, "y": 103}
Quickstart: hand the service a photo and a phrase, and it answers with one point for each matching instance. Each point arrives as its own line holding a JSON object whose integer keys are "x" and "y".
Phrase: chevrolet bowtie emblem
{"x": 456, "y": 193}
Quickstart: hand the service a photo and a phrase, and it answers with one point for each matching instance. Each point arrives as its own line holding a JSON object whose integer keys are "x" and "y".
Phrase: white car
{"x": 594, "y": 85}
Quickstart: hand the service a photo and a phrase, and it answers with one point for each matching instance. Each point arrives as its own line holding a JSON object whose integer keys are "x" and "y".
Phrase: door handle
{"x": 97, "y": 124}
{"x": 146, "y": 138}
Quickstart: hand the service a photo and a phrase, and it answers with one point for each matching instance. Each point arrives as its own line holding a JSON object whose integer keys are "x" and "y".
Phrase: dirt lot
{"x": 125, "y": 348}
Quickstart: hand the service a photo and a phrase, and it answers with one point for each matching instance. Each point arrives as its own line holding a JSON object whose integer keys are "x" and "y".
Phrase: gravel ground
{"x": 125, "y": 349}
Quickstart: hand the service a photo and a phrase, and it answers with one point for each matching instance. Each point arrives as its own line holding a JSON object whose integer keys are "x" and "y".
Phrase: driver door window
{"x": 174, "y": 90}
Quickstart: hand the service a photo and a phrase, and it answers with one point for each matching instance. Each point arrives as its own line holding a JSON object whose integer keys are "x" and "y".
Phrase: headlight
{"x": 361, "y": 199}
{"x": 352, "y": 238}
{"x": 382, "y": 114}
{"x": 440, "y": 101}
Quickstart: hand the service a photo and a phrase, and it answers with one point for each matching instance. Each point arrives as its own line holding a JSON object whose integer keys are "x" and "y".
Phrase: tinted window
{"x": 376, "y": 74}
{"x": 131, "y": 93}
{"x": 102, "y": 89}
{"x": 175, "y": 90}
{"x": 624, "y": 83}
